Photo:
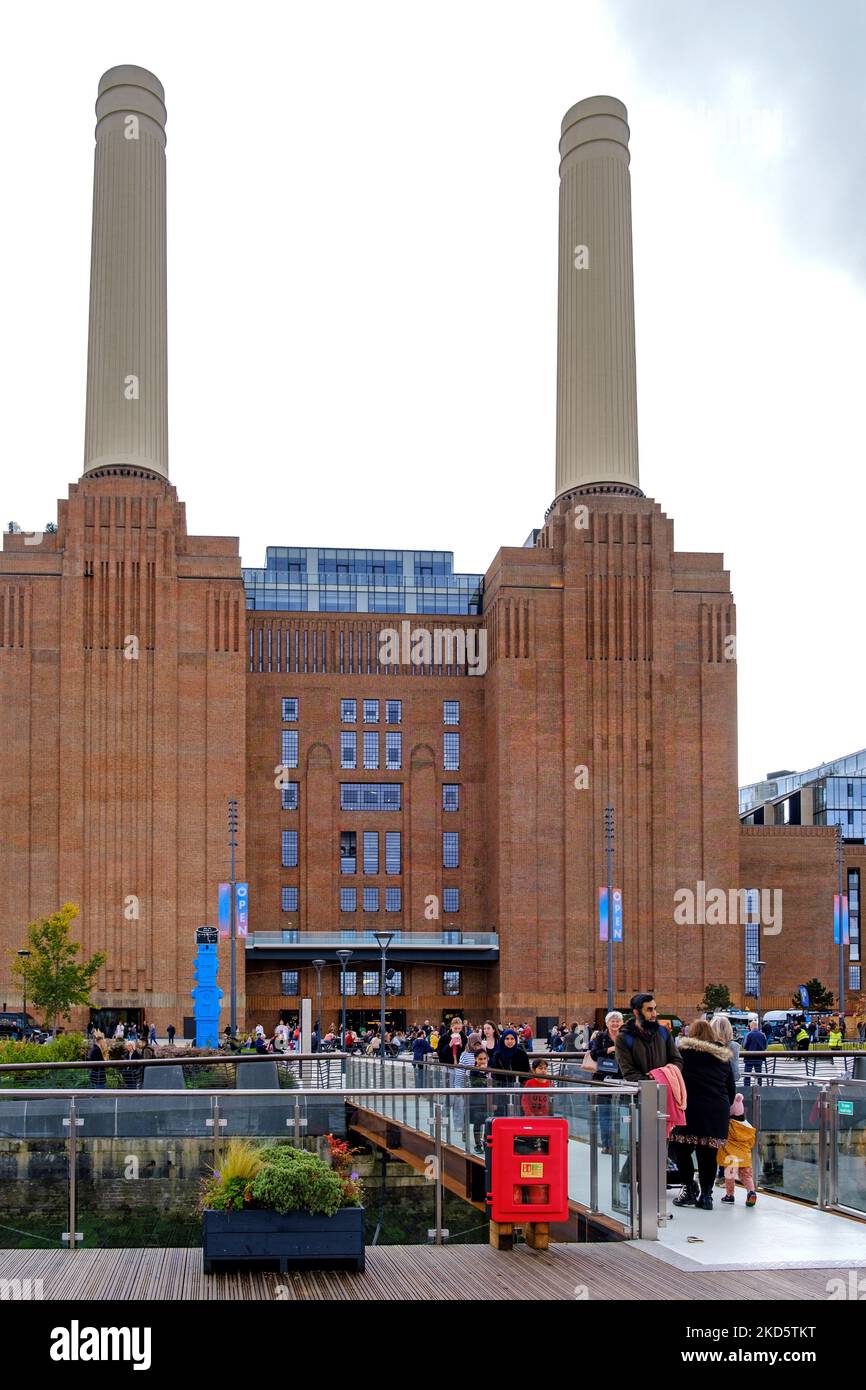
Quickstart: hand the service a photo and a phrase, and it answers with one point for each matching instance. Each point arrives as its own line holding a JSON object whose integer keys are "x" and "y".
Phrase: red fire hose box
{"x": 527, "y": 1169}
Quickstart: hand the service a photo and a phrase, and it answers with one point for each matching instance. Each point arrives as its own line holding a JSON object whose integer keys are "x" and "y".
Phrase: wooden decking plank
{"x": 407, "y": 1273}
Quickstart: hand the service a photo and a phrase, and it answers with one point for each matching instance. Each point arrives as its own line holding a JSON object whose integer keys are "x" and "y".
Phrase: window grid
{"x": 370, "y": 982}
{"x": 451, "y": 899}
{"x": 451, "y": 849}
{"x": 450, "y": 796}
{"x": 451, "y": 982}
{"x": 289, "y": 796}
{"x": 393, "y": 981}
{"x": 392, "y": 851}
{"x": 393, "y": 711}
{"x": 348, "y": 749}
{"x": 451, "y": 752}
{"x": 371, "y": 751}
{"x": 371, "y": 851}
{"x": 393, "y": 900}
{"x": 290, "y": 747}
{"x": 349, "y": 982}
{"x": 371, "y": 711}
{"x": 290, "y": 981}
{"x": 348, "y": 851}
{"x": 290, "y": 849}
{"x": 348, "y": 711}
{"x": 289, "y": 899}
{"x": 348, "y": 900}
{"x": 370, "y": 796}
{"x": 451, "y": 712}
{"x": 393, "y": 752}
{"x": 290, "y": 711}
{"x": 371, "y": 900}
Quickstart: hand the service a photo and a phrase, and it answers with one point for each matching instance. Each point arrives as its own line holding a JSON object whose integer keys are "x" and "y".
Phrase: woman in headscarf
{"x": 510, "y": 1064}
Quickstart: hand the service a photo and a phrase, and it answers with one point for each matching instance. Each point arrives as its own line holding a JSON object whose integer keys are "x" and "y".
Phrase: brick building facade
{"x": 463, "y": 812}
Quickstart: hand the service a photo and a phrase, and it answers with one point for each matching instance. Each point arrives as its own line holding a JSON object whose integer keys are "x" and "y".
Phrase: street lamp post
{"x": 384, "y": 939}
{"x": 840, "y": 860}
{"x": 758, "y": 966}
{"x": 233, "y": 842}
{"x": 608, "y": 835}
{"x": 318, "y": 966}
{"x": 25, "y": 955}
{"x": 343, "y": 956}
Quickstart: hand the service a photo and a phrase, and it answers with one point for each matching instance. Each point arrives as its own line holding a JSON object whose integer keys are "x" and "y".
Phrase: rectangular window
{"x": 393, "y": 981}
{"x": 290, "y": 711}
{"x": 451, "y": 712}
{"x": 451, "y": 760}
{"x": 348, "y": 851}
{"x": 371, "y": 851}
{"x": 371, "y": 751}
{"x": 348, "y": 749}
{"x": 450, "y": 849}
{"x": 752, "y": 939}
{"x": 348, "y": 711}
{"x": 392, "y": 851}
{"x": 450, "y": 981}
{"x": 289, "y": 797}
{"x": 348, "y": 900}
{"x": 393, "y": 751}
{"x": 349, "y": 982}
{"x": 450, "y": 796}
{"x": 290, "y": 747}
{"x": 370, "y": 796}
{"x": 393, "y": 711}
{"x": 289, "y": 899}
{"x": 853, "y": 914}
{"x": 451, "y": 899}
{"x": 393, "y": 901}
{"x": 290, "y": 849}
{"x": 290, "y": 982}
{"x": 854, "y": 977}
{"x": 371, "y": 900}
{"x": 371, "y": 711}
{"x": 370, "y": 982}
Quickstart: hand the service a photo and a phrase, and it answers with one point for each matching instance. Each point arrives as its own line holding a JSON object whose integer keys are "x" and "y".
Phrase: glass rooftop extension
{"x": 787, "y": 782}
{"x": 310, "y": 579}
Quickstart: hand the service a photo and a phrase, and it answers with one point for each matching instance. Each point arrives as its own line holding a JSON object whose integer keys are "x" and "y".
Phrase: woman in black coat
{"x": 510, "y": 1063}
{"x": 448, "y": 1051}
{"x": 710, "y": 1090}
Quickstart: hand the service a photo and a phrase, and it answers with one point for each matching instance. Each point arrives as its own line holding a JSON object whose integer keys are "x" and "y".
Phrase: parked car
{"x": 20, "y": 1026}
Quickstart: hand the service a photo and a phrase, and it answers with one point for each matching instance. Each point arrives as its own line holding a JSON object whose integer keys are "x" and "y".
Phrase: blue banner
{"x": 602, "y": 914}
{"x": 804, "y": 996}
{"x": 617, "y": 914}
{"x": 225, "y": 910}
{"x": 242, "y": 903}
{"x": 845, "y": 938}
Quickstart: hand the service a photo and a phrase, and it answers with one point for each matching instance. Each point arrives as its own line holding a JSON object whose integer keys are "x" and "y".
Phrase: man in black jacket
{"x": 643, "y": 1044}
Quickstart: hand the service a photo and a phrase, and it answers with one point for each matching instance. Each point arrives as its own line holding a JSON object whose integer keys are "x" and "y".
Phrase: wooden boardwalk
{"x": 404, "y": 1273}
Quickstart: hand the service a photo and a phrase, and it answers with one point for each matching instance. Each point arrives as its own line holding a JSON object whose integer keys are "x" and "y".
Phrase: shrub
{"x": 304, "y": 1183}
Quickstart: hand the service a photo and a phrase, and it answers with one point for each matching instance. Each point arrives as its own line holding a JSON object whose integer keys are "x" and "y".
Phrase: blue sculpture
{"x": 206, "y": 995}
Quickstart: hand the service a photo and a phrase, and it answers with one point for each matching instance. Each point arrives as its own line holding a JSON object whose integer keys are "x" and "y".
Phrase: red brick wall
{"x": 122, "y": 768}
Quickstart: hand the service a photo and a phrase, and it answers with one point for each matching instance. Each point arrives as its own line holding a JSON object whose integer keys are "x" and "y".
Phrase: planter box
{"x": 231, "y": 1238}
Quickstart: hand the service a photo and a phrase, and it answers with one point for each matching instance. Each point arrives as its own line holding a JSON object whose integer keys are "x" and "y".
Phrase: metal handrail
{"x": 178, "y": 1061}
{"x": 69, "y": 1093}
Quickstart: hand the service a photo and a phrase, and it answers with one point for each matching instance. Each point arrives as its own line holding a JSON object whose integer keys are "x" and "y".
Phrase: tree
{"x": 55, "y": 980}
{"x": 716, "y": 997}
{"x": 819, "y": 996}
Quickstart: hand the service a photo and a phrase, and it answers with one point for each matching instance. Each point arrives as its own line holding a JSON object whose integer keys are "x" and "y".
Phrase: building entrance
{"x": 106, "y": 1020}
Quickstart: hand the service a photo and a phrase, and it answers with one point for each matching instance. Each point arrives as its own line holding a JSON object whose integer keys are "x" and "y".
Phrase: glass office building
{"x": 309, "y": 579}
{"x": 833, "y": 793}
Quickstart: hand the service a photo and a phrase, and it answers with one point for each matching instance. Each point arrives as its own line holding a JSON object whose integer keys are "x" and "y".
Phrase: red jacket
{"x": 535, "y": 1105}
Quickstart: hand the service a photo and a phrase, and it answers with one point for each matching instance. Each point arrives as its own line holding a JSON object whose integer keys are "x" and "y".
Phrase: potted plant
{"x": 281, "y": 1204}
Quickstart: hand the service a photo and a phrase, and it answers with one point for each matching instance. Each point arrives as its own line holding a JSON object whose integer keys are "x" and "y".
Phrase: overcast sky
{"x": 362, "y": 226}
